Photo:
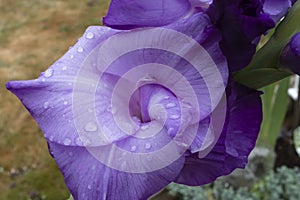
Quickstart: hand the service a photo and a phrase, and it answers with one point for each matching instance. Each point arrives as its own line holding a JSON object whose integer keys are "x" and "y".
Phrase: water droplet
{"x": 90, "y": 110}
{"x": 148, "y": 146}
{"x": 46, "y": 105}
{"x": 147, "y": 79}
{"x": 170, "y": 105}
{"x": 64, "y": 68}
{"x": 78, "y": 141}
{"x": 91, "y": 127}
{"x": 136, "y": 119}
{"x": 80, "y": 49}
{"x": 70, "y": 153}
{"x": 170, "y": 131}
{"x": 166, "y": 97}
{"x": 65, "y": 102}
{"x": 89, "y": 187}
{"x": 174, "y": 116}
{"x": 85, "y": 140}
{"x": 67, "y": 141}
{"x": 186, "y": 104}
{"x": 48, "y": 73}
{"x": 133, "y": 148}
{"x": 72, "y": 56}
{"x": 89, "y": 35}
{"x": 51, "y": 138}
{"x": 144, "y": 127}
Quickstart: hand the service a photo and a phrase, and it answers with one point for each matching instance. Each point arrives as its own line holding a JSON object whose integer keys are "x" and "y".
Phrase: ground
{"x": 33, "y": 34}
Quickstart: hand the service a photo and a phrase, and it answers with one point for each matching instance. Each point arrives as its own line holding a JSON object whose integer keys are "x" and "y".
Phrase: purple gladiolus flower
{"x": 290, "y": 56}
{"x": 126, "y": 112}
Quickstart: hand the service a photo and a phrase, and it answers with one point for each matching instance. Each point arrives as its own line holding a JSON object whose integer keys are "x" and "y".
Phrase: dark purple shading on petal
{"x": 49, "y": 98}
{"x": 124, "y": 14}
{"x": 290, "y": 56}
{"x": 88, "y": 178}
{"x": 241, "y": 22}
{"x": 235, "y": 143}
{"x": 276, "y": 8}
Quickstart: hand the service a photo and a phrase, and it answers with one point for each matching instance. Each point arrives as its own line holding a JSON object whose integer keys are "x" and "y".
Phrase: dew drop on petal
{"x": 170, "y": 105}
{"x": 89, "y": 187}
{"x": 170, "y": 131}
{"x": 85, "y": 140}
{"x": 78, "y": 141}
{"x": 144, "y": 127}
{"x": 67, "y": 141}
{"x": 72, "y": 56}
{"x": 46, "y": 105}
{"x": 133, "y": 148}
{"x": 64, "y": 68}
{"x": 166, "y": 97}
{"x": 91, "y": 127}
{"x": 136, "y": 119}
{"x": 48, "y": 73}
{"x": 65, "y": 102}
{"x": 148, "y": 146}
{"x": 80, "y": 49}
{"x": 186, "y": 104}
{"x": 70, "y": 153}
{"x": 89, "y": 35}
{"x": 174, "y": 116}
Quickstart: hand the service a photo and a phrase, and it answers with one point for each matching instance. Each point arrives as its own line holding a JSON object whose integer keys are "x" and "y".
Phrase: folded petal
{"x": 276, "y": 8}
{"x": 88, "y": 178}
{"x": 290, "y": 56}
{"x": 124, "y": 14}
{"x": 241, "y": 23}
{"x": 237, "y": 139}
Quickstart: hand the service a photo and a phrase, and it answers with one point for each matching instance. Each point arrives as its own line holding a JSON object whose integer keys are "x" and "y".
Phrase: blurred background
{"x": 35, "y": 33}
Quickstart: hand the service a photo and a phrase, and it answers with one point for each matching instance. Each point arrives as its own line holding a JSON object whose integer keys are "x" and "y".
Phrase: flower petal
{"x": 49, "y": 98}
{"x": 290, "y": 56}
{"x": 124, "y": 14}
{"x": 235, "y": 143}
{"x": 88, "y": 178}
{"x": 276, "y": 8}
{"x": 241, "y": 23}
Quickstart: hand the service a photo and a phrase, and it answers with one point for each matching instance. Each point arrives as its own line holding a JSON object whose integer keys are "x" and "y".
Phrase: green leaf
{"x": 275, "y": 100}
